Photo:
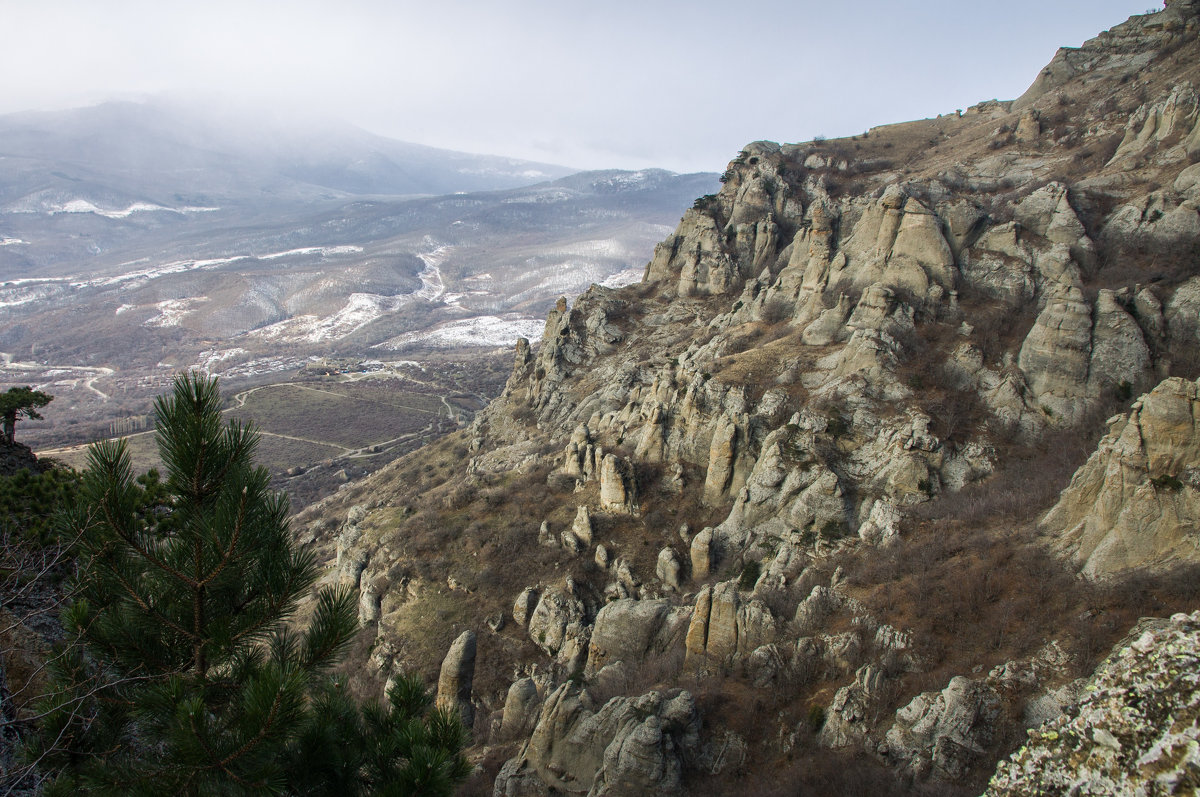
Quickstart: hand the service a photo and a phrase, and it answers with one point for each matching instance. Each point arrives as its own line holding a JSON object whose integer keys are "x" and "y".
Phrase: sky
{"x": 596, "y": 84}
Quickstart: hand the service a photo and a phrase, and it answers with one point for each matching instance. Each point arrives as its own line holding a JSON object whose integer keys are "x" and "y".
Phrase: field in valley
{"x": 318, "y": 431}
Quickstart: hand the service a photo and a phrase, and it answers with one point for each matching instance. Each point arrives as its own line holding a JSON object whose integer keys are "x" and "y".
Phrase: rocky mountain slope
{"x": 797, "y": 511}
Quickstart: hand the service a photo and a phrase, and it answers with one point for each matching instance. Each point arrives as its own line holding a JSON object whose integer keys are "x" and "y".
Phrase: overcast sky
{"x": 601, "y": 83}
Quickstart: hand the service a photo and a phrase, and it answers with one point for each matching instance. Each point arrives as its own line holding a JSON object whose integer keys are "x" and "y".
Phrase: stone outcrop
{"x": 634, "y": 631}
{"x": 702, "y": 554}
{"x": 630, "y": 746}
{"x": 1075, "y": 352}
{"x": 695, "y": 257}
{"x": 853, "y": 710}
{"x": 845, "y": 333}
{"x": 897, "y": 243}
{"x": 946, "y": 734}
{"x": 1177, "y": 116}
{"x": 669, "y": 568}
{"x": 725, "y": 625}
{"x": 721, "y": 458}
{"x": 1134, "y": 504}
{"x": 351, "y": 557}
{"x": 457, "y": 678}
{"x": 559, "y": 625}
{"x": 521, "y": 706}
{"x": 1048, "y": 213}
{"x": 618, "y": 488}
{"x": 1135, "y": 729}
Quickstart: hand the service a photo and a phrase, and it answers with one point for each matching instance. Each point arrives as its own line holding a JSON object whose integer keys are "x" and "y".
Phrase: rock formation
{"x": 1134, "y": 731}
{"x": 1135, "y": 504}
{"x": 862, "y": 369}
{"x": 629, "y": 746}
{"x": 456, "y": 678}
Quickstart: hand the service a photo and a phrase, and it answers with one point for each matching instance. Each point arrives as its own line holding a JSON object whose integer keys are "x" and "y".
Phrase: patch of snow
{"x": 172, "y": 312}
{"x": 360, "y": 309}
{"x": 124, "y": 308}
{"x": 528, "y": 174}
{"x": 264, "y": 365}
{"x": 542, "y": 197}
{"x": 6, "y": 241}
{"x": 141, "y": 276}
{"x": 606, "y": 247}
{"x": 567, "y": 277}
{"x": 85, "y": 206}
{"x": 290, "y": 329}
{"x": 21, "y": 292}
{"x": 432, "y": 287}
{"x": 324, "y": 251}
{"x": 213, "y": 357}
{"x": 622, "y": 278}
{"x": 30, "y": 281}
{"x": 406, "y": 364}
{"x": 485, "y": 330}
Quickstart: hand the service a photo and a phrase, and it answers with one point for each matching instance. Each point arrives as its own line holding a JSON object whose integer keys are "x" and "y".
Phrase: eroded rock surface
{"x": 1135, "y": 504}
{"x": 629, "y": 746}
{"x": 1135, "y": 730}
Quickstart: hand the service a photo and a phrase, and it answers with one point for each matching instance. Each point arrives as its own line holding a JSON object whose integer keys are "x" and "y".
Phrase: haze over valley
{"x": 140, "y": 240}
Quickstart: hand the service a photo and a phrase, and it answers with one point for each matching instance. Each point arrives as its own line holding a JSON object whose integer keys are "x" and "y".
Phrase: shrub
{"x": 1167, "y": 482}
{"x": 750, "y": 573}
{"x": 833, "y": 530}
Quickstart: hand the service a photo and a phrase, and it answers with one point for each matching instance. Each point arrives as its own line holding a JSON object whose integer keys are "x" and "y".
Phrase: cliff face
{"x": 705, "y": 491}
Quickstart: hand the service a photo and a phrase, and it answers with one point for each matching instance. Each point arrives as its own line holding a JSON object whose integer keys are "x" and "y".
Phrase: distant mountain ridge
{"x": 125, "y": 152}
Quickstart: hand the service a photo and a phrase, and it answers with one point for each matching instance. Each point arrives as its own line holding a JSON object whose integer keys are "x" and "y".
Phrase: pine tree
{"x": 20, "y": 402}
{"x": 187, "y": 677}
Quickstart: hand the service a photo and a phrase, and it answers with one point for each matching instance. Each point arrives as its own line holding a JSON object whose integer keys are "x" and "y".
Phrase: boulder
{"x": 572, "y": 543}
{"x": 520, "y": 708}
{"x": 1029, "y": 127}
{"x": 456, "y": 679}
{"x": 15, "y": 457}
{"x": 701, "y": 554}
{"x": 524, "y": 605}
{"x": 669, "y": 568}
